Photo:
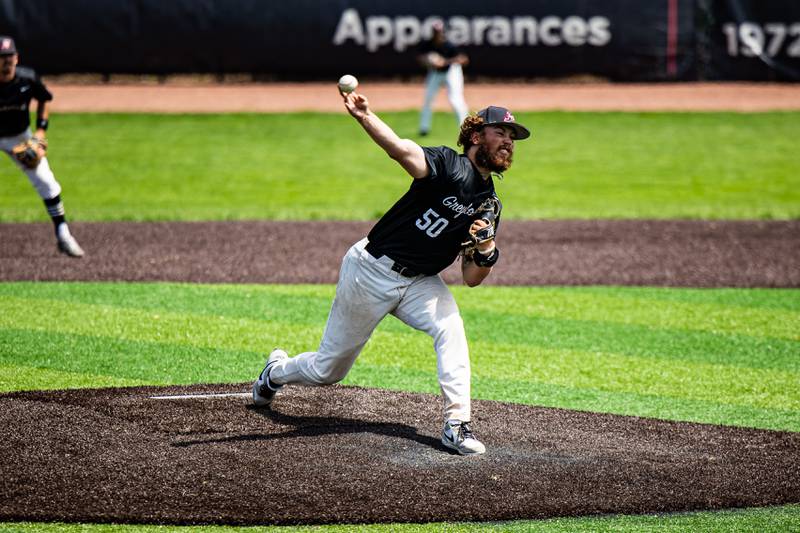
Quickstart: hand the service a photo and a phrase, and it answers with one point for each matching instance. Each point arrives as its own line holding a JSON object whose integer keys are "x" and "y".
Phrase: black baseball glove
{"x": 488, "y": 211}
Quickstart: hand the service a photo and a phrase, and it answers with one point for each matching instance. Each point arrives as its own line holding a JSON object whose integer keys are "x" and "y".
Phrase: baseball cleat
{"x": 263, "y": 389}
{"x": 458, "y": 436}
{"x": 69, "y": 246}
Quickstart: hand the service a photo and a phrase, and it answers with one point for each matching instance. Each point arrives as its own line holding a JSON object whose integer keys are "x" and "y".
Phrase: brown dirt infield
{"x": 383, "y": 96}
{"x": 577, "y": 252}
{"x": 351, "y": 455}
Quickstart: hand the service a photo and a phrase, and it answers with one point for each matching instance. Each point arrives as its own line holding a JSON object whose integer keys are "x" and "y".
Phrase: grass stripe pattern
{"x": 576, "y": 165}
{"x": 724, "y": 356}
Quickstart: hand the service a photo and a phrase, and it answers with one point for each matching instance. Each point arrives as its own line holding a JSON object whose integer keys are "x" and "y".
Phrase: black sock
{"x": 56, "y": 211}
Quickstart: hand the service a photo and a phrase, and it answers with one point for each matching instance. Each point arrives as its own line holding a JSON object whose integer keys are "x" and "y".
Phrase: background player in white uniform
{"x": 444, "y": 62}
{"x": 396, "y": 268}
{"x": 18, "y": 86}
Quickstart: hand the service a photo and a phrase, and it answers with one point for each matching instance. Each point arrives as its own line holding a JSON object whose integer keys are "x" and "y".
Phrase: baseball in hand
{"x": 348, "y": 83}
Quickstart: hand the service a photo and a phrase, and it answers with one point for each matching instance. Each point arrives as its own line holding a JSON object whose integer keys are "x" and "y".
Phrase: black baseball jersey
{"x": 424, "y": 229}
{"x": 447, "y": 50}
{"x": 15, "y": 99}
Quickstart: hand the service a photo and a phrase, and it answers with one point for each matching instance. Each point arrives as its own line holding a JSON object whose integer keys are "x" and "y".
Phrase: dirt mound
{"x": 350, "y": 455}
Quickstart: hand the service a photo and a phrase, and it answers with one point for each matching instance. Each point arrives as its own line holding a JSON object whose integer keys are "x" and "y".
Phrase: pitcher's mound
{"x": 348, "y": 454}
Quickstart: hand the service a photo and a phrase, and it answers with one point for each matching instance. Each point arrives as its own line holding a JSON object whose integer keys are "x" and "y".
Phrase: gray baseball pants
{"x": 367, "y": 291}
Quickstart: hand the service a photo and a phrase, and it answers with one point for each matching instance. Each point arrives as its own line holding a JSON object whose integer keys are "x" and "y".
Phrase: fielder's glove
{"x": 30, "y": 152}
{"x": 488, "y": 211}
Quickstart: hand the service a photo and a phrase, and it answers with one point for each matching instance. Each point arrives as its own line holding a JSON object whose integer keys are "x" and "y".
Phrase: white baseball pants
{"x": 367, "y": 291}
{"x": 453, "y": 78}
{"x": 41, "y": 177}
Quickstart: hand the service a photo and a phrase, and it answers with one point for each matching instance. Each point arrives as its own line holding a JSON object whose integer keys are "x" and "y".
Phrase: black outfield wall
{"x": 751, "y": 40}
{"x": 306, "y": 39}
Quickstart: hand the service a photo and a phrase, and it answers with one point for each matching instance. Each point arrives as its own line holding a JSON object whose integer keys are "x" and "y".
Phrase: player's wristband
{"x": 42, "y": 123}
{"x": 484, "y": 260}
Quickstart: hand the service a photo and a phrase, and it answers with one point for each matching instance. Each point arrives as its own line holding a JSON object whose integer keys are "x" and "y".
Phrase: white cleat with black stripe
{"x": 263, "y": 389}
{"x": 69, "y": 246}
{"x": 458, "y": 436}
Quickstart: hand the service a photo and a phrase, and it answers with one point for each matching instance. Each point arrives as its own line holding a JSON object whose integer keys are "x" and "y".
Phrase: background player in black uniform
{"x": 396, "y": 269}
{"x": 444, "y": 62}
{"x": 18, "y": 86}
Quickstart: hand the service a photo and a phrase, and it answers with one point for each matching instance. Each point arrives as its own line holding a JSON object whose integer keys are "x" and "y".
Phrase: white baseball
{"x": 348, "y": 83}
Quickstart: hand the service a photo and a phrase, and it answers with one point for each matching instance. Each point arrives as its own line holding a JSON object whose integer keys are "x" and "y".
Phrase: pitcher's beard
{"x": 494, "y": 163}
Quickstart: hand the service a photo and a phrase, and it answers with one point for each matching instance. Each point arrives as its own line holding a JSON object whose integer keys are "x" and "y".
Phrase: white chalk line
{"x": 202, "y": 396}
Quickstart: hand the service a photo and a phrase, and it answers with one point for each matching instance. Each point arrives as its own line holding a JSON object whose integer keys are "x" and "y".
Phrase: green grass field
{"x": 722, "y": 356}
{"x": 322, "y": 166}
{"x": 716, "y": 356}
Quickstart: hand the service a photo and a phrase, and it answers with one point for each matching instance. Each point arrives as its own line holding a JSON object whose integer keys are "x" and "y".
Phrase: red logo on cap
{"x": 508, "y": 117}
{"x": 6, "y": 44}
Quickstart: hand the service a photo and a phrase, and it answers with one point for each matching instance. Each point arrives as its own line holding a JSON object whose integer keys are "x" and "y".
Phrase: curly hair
{"x": 470, "y": 125}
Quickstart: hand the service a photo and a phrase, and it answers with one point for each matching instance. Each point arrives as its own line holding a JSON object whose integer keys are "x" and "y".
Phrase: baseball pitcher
{"x": 18, "y": 86}
{"x": 450, "y": 209}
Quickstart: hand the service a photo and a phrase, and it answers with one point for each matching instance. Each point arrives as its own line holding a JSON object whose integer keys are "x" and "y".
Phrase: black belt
{"x": 397, "y": 267}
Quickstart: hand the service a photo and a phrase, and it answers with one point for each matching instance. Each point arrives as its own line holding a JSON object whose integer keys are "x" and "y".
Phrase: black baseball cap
{"x": 500, "y": 116}
{"x": 7, "y": 46}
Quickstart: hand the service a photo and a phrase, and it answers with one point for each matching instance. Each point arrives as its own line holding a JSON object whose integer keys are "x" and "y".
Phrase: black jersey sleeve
{"x": 38, "y": 89}
{"x": 442, "y": 162}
